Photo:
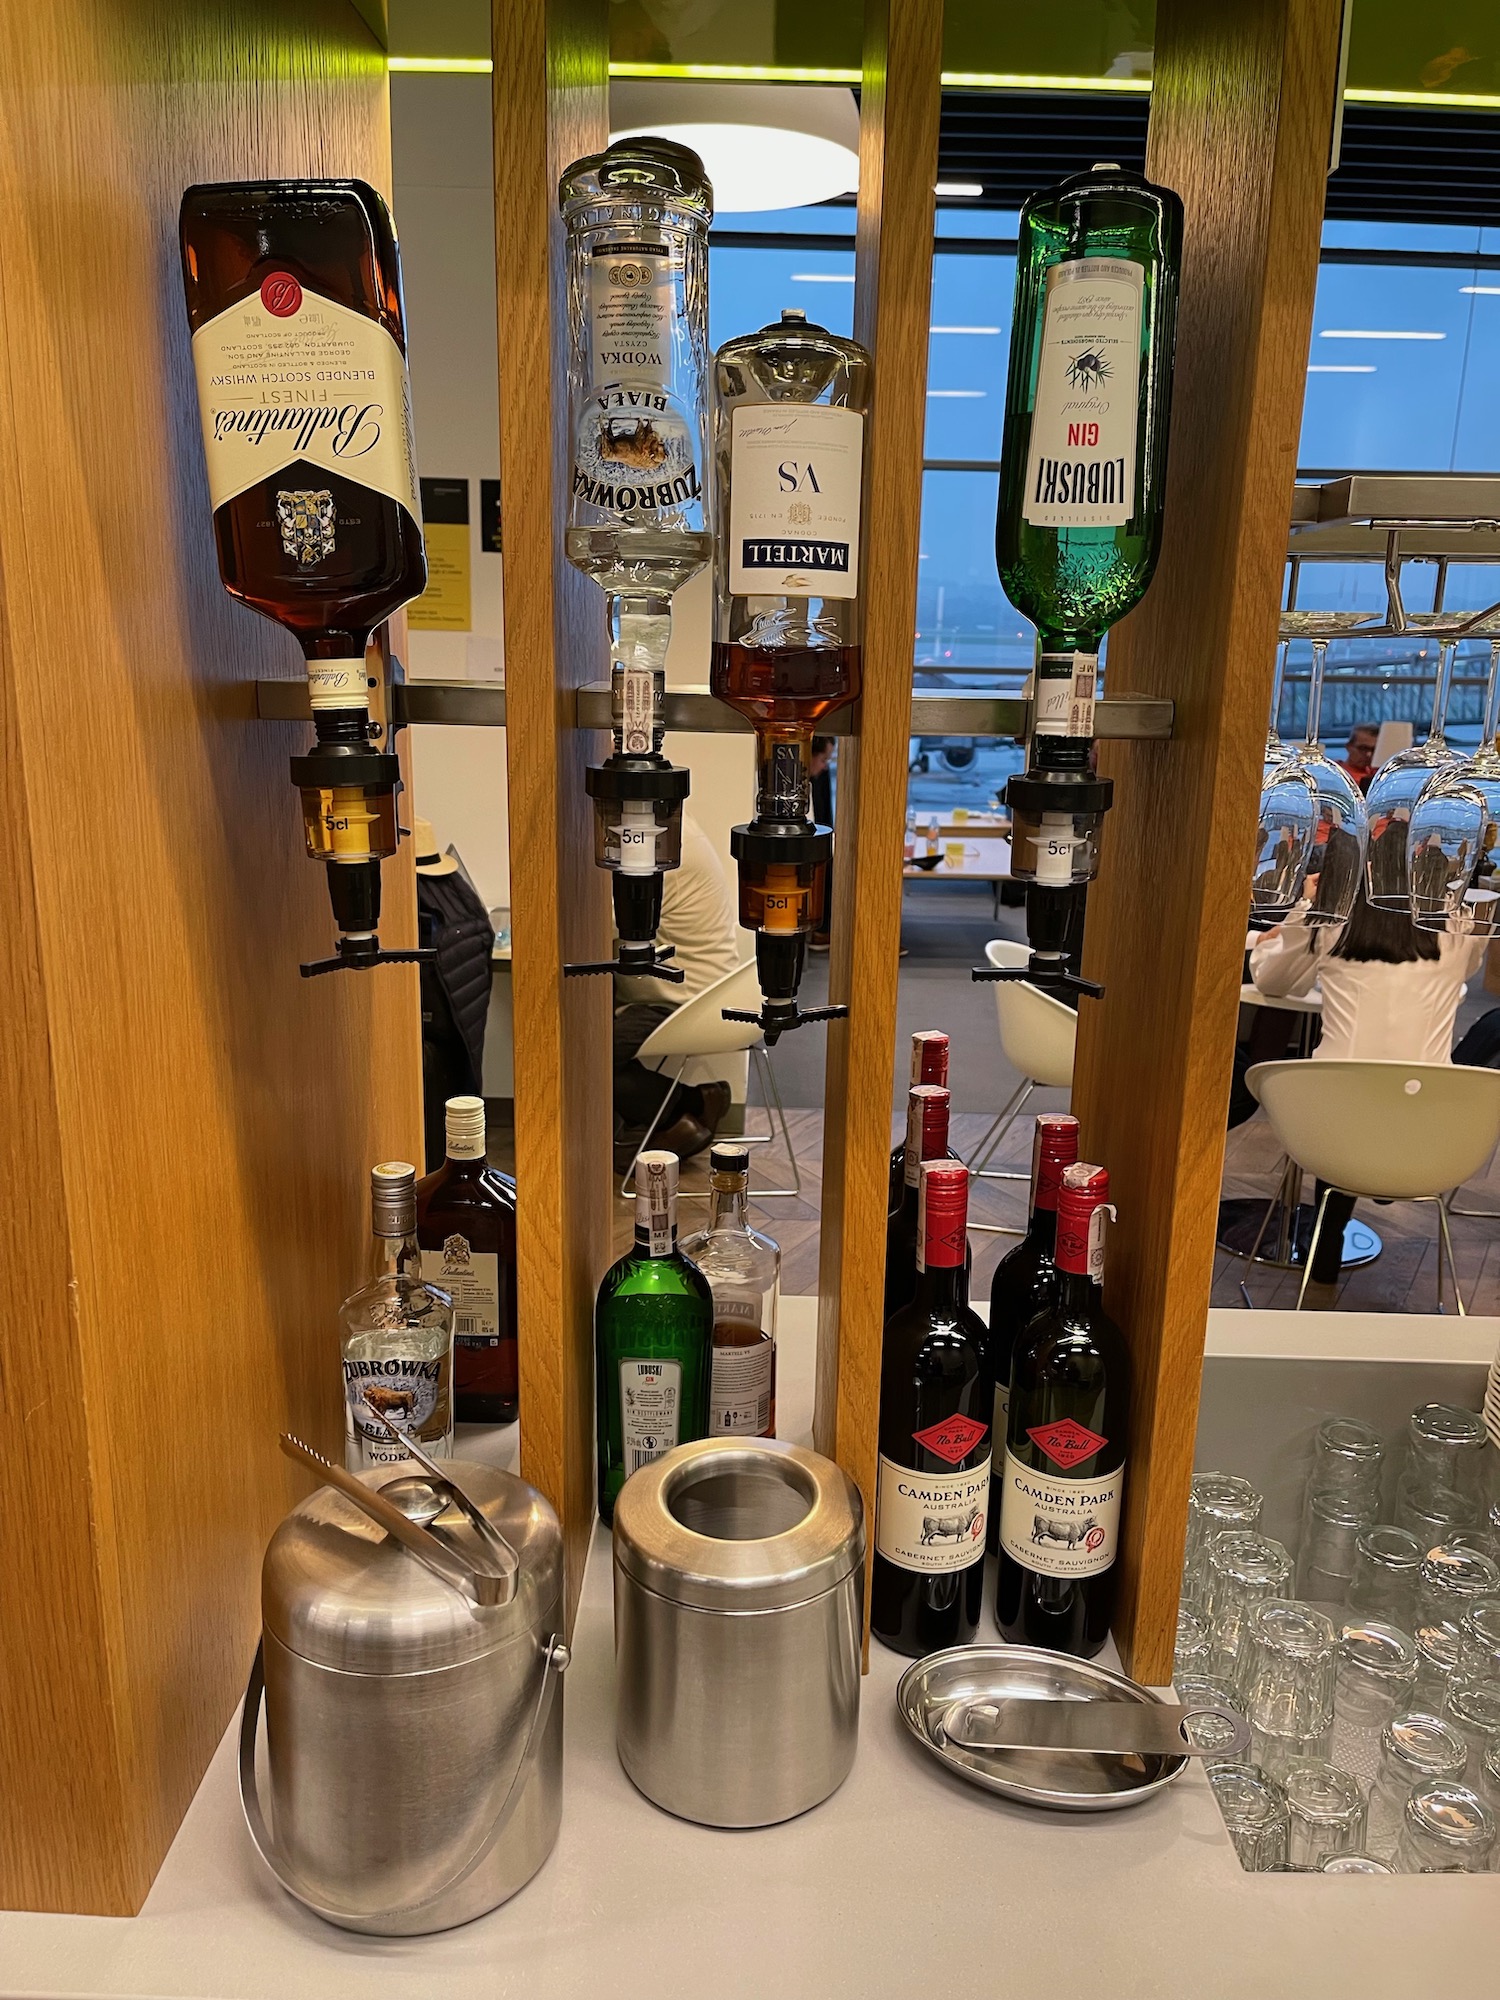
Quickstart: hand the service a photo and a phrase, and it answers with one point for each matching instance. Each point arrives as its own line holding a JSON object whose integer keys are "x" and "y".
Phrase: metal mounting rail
{"x": 481, "y": 704}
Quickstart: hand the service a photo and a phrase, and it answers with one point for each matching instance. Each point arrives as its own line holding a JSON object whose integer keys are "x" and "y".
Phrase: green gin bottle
{"x": 1083, "y": 464}
{"x": 653, "y": 1339}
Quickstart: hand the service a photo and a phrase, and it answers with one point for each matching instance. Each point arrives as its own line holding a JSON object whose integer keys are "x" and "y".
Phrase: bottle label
{"x": 632, "y": 305}
{"x": 1063, "y": 705}
{"x": 1080, "y": 469}
{"x": 289, "y": 376}
{"x": 1057, "y": 1526}
{"x": 656, "y": 1203}
{"x": 931, "y": 1522}
{"x": 794, "y": 472}
{"x": 472, "y": 1279}
{"x": 739, "y": 1398}
{"x": 339, "y": 683}
{"x": 404, "y": 1389}
{"x": 650, "y": 1410}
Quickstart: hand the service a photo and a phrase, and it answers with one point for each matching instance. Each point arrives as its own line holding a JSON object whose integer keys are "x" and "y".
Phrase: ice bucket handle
{"x": 554, "y": 1662}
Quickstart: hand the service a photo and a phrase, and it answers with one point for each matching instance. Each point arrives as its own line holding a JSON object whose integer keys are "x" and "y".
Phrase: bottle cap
{"x": 926, "y": 1127}
{"x": 942, "y": 1214}
{"x": 929, "y": 1056}
{"x": 656, "y": 1200}
{"x": 463, "y": 1119}
{"x": 1054, "y": 1146}
{"x": 1082, "y": 1204}
{"x": 393, "y": 1198}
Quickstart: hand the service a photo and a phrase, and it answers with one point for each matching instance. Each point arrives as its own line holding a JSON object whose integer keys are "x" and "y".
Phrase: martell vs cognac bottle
{"x": 294, "y": 299}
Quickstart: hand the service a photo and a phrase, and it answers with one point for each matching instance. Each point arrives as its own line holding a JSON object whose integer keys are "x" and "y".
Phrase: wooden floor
{"x": 1401, "y": 1279}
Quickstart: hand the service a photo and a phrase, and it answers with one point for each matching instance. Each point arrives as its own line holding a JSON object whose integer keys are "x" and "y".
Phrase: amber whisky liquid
{"x": 798, "y": 685}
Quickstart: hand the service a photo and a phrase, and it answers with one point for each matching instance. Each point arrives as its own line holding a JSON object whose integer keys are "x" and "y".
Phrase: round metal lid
{"x": 739, "y": 1524}
{"x": 342, "y": 1593}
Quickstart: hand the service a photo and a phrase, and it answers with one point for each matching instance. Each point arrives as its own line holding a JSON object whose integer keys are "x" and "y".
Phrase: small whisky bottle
{"x": 396, "y": 1337}
{"x": 743, "y": 1268}
{"x": 466, "y": 1227}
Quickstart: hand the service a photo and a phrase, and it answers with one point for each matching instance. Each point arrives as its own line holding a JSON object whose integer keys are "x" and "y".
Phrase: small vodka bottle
{"x": 396, "y": 1337}
{"x": 743, "y": 1269}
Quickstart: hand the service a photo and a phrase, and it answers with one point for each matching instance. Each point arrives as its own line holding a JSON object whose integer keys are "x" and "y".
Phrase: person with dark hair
{"x": 1390, "y": 994}
{"x": 1359, "y": 754}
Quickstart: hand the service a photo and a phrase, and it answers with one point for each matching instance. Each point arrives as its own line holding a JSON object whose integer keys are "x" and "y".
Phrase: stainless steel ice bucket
{"x": 414, "y": 1715}
{"x": 738, "y": 1572}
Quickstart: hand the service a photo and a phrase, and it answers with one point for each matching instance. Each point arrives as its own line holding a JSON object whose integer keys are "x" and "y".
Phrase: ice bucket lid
{"x": 341, "y": 1592}
{"x": 739, "y": 1524}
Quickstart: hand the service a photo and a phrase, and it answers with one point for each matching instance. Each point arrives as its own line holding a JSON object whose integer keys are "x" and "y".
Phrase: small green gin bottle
{"x": 653, "y": 1339}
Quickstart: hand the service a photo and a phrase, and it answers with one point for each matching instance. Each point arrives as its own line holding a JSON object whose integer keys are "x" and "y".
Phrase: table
{"x": 986, "y": 859}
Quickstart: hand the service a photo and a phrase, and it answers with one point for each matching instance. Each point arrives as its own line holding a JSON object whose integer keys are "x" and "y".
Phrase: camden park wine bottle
{"x": 927, "y": 1106}
{"x": 933, "y": 1477}
{"x": 929, "y": 1064}
{"x": 1064, "y": 1468}
{"x": 1083, "y": 461}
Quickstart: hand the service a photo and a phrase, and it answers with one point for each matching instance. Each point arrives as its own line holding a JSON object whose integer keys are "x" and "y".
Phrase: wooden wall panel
{"x": 551, "y": 107}
{"x": 899, "y": 106}
{"x": 1241, "y": 114}
{"x": 188, "y": 1123}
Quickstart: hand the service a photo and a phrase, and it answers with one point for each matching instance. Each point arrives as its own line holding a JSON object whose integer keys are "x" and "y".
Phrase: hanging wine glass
{"x": 1455, "y": 831}
{"x": 1394, "y": 792}
{"x": 1337, "y": 857}
{"x": 1288, "y": 818}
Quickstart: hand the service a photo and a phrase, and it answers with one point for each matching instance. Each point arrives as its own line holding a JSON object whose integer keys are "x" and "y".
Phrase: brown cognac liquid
{"x": 294, "y": 300}
{"x": 793, "y": 685}
{"x": 466, "y": 1231}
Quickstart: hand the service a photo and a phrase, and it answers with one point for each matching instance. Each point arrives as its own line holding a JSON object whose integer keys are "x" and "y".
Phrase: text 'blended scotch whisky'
{"x": 637, "y": 221}
{"x": 396, "y": 1337}
{"x": 791, "y": 402}
{"x": 1082, "y": 488}
{"x": 466, "y": 1228}
{"x": 299, "y": 347}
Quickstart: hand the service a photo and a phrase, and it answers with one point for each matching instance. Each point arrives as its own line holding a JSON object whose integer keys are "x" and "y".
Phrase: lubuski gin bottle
{"x": 1083, "y": 463}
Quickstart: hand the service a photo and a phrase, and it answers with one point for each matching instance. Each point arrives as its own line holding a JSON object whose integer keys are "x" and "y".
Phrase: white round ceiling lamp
{"x": 765, "y": 145}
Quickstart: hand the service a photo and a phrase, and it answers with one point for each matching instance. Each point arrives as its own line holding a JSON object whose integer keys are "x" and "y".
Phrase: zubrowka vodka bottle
{"x": 396, "y": 1337}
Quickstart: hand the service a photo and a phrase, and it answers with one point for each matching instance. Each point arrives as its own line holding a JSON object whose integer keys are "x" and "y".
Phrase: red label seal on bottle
{"x": 952, "y": 1439}
{"x": 1067, "y": 1443}
{"x": 280, "y": 294}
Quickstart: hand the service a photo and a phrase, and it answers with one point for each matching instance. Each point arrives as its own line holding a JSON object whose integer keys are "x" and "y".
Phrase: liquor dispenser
{"x": 316, "y": 517}
{"x": 1082, "y": 481}
{"x": 789, "y": 441}
{"x": 637, "y": 221}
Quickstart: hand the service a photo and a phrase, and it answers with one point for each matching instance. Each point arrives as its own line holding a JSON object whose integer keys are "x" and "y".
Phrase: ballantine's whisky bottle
{"x": 294, "y": 300}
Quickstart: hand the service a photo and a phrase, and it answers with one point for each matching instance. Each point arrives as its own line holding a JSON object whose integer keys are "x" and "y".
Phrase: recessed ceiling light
{"x": 763, "y": 145}
{"x": 963, "y": 329}
{"x": 965, "y": 393}
{"x": 1376, "y": 333}
{"x": 1341, "y": 367}
{"x": 959, "y": 190}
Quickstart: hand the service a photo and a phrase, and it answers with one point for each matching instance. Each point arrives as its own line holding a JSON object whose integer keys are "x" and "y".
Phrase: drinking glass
{"x": 1473, "y": 1708}
{"x": 1337, "y": 859}
{"x": 1414, "y": 1750}
{"x": 1447, "y": 1449}
{"x": 1450, "y": 1582}
{"x": 1428, "y": 1512}
{"x": 1394, "y": 791}
{"x": 1243, "y": 1569}
{"x": 1217, "y": 1502}
{"x": 1190, "y": 1654}
{"x": 1347, "y": 1457}
{"x": 1288, "y": 818}
{"x": 1325, "y": 1813}
{"x": 1375, "y": 1679}
{"x": 1384, "y": 1584}
{"x": 1479, "y": 1641}
{"x": 1288, "y": 1677}
{"x": 1437, "y": 1660}
{"x": 1446, "y": 1829}
{"x": 1254, "y": 1813}
{"x": 1454, "y": 829}
{"x": 1489, "y": 1777}
{"x": 1330, "y": 1538}
{"x": 1357, "y": 1863}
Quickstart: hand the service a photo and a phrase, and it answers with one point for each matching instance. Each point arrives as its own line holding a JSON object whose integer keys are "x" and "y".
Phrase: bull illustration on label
{"x": 633, "y": 443}
{"x": 306, "y": 521}
{"x": 953, "y": 1527}
{"x": 392, "y": 1402}
{"x": 1082, "y": 1534}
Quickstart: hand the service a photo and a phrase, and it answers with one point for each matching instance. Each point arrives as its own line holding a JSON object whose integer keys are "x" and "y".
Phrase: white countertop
{"x": 906, "y": 1883}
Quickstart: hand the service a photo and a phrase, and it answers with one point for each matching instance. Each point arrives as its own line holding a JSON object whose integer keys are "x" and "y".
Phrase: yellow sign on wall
{"x": 445, "y": 605}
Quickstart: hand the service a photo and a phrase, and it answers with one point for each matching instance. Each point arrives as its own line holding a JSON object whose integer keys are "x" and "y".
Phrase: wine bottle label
{"x": 1080, "y": 468}
{"x": 288, "y": 376}
{"x": 650, "y": 1410}
{"x": 931, "y": 1522}
{"x": 472, "y": 1280}
{"x": 403, "y": 1388}
{"x": 1063, "y": 705}
{"x": 739, "y": 1398}
{"x": 1058, "y": 1526}
{"x": 794, "y": 471}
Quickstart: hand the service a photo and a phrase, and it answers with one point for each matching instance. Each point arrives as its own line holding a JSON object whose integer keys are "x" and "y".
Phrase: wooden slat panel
{"x": 550, "y": 98}
{"x": 188, "y": 1124}
{"x": 1241, "y": 112}
{"x": 899, "y": 105}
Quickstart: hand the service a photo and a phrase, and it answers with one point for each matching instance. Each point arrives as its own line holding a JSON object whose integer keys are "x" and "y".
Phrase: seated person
{"x": 698, "y": 921}
{"x": 1390, "y": 994}
{"x": 1358, "y": 760}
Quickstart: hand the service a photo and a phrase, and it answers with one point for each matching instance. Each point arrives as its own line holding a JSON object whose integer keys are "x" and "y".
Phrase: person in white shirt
{"x": 1390, "y": 994}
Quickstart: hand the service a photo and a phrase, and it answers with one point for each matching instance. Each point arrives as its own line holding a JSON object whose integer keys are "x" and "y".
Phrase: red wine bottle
{"x": 926, "y": 1139}
{"x": 929, "y": 1064}
{"x": 936, "y": 1400}
{"x": 1025, "y": 1280}
{"x": 1064, "y": 1467}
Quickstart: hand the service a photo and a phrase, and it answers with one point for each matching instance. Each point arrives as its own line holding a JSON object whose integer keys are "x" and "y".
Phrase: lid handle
{"x": 480, "y": 1587}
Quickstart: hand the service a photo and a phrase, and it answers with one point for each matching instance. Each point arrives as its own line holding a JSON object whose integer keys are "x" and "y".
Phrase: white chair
{"x": 1037, "y": 1037}
{"x": 1388, "y": 1131}
{"x": 698, "y": 1028}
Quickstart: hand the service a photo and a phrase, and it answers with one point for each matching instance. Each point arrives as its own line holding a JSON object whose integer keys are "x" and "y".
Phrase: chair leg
{"x": 1265, "y": 1221}
{"x": 1008, "y": 1115}
{"x": 1312, "y": 1248}
{"x": 1445, "y": 1241}
{"x": 765, "y": 1069}
{"x": 627, "y": 1186}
